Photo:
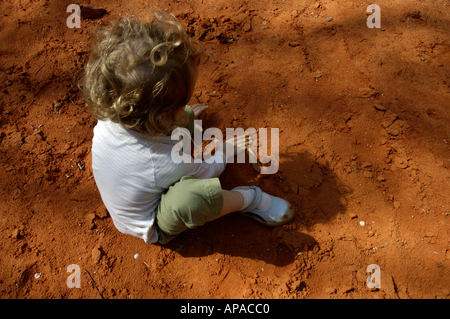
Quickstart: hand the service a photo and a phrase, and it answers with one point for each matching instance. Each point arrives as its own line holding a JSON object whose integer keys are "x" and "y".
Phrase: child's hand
{"x": 198, "y": 109}
{"x": 237, "y": 145}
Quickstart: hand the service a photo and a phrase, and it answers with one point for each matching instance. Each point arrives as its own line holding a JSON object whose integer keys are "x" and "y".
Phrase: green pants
{"x": 189, "y": 203}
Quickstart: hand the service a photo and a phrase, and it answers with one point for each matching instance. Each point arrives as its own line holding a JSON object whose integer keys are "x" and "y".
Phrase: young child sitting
{"x": 138, "y": 81}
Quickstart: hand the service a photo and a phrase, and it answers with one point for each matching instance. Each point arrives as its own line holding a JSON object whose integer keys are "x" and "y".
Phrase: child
{"x": 138, "y": 81}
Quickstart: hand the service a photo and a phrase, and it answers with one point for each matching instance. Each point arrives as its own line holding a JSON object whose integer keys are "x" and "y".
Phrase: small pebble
{"x": 37, "y": 275}
{"x": 136, "y": 256}
{"x": 362, "y": 223}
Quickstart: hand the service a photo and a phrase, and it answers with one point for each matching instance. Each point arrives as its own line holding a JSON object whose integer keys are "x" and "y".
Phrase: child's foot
{"x": 264, "y": 208}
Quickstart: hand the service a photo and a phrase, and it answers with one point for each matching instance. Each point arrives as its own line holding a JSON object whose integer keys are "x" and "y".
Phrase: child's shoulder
{"x": 116, "y": 131}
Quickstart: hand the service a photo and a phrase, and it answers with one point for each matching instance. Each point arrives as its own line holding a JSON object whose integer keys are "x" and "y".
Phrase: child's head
{"x": 142, "y": 75}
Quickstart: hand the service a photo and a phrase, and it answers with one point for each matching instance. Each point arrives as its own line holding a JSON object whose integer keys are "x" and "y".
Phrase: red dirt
{"x": 364, "y": 131}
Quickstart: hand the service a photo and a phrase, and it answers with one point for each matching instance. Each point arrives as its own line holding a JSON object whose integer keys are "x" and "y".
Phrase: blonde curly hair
{"x": 140, "y": 73}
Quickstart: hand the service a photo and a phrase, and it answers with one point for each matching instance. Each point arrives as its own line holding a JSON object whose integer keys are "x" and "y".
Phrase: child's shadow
{"x": 308, "y": 184}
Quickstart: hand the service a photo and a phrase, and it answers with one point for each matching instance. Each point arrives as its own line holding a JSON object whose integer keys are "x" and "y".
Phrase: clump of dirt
{"x": 363, "y": 137}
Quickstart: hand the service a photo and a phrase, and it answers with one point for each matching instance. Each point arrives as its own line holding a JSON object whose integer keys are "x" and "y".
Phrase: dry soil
{"x": 363, "y": 118}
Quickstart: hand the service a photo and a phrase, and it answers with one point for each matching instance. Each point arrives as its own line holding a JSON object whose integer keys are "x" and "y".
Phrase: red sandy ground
{"x": 364, "y": 131}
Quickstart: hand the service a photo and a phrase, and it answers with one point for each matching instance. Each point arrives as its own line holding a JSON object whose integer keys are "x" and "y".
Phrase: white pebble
{"x": 37, "y": 275}
{"x": 362, "y": 223}
{"x": 136, "y": 256}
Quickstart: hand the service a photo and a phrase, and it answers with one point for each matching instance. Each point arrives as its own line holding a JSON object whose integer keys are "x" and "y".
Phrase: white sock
{"x": 265, "y": 202}
{"x": 249, "y": 196}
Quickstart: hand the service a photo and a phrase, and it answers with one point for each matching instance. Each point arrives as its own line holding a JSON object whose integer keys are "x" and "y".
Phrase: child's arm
{"x": 193, "y": 111}
{"x": 229, "y": 149}
{"x": 190, "y": 118}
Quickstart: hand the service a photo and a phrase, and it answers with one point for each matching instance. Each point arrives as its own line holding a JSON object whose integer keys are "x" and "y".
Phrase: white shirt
{"x": 132, "y": 171}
